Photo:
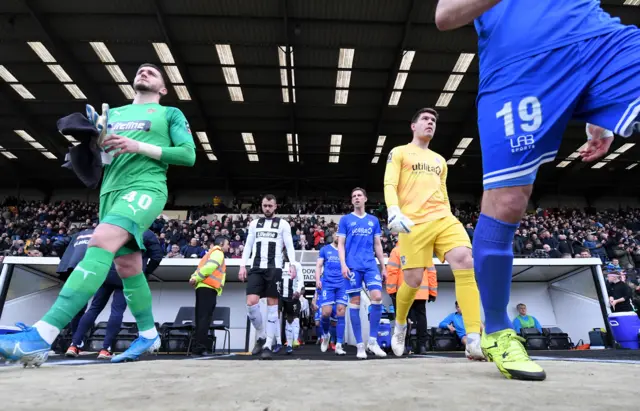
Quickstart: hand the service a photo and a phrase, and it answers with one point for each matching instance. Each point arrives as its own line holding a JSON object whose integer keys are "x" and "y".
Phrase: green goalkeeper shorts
{"x": 134, "y": 210}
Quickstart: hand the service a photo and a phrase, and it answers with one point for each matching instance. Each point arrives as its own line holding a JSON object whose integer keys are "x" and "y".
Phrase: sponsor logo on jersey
{"x": 266, "y": 234}
{"x": 362, "y": 231}
{"x": 134, "y": 125}
{"x": 187, "y": 126}
{"x": 390, "y": 157}
{"x": 426, "y": 168}
{"x": 522, "y": 143}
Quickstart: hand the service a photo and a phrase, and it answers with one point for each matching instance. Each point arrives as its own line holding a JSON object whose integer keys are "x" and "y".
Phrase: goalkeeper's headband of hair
{"x": 153, "y": 66}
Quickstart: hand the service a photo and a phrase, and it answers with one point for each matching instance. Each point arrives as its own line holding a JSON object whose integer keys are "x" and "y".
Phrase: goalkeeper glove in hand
{"x": 398, "y": 222}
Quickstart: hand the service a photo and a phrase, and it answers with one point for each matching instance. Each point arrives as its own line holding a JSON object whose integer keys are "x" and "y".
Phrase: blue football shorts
{"x": 524, "y": 107}
{"x": 369, "y": 276}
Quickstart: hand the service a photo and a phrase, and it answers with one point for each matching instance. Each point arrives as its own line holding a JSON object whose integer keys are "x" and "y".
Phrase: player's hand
{"x": 345, "y": 272}
{"x": 117, "y": 145}
{"x": 292, "y": 271}
{"x": 319, "y": 284}
{"x": 432, "y": 298}
{"x": 398, "y": 222}
{"x": 383, "y": 273}
{"x": 242, "y": 274}
{"x": 296, "y": 295}
{"x": 452, "y": 328}
{"x": 101, "y": 121}
{"x": 598, "y": 145}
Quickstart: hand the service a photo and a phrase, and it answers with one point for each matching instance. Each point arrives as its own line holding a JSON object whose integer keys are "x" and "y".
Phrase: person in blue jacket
{"x": 453, "y": 322}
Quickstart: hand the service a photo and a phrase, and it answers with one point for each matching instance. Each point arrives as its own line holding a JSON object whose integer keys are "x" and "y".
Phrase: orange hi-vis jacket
{"x": 212, "y": 269}
{"x": 429, "y": 285}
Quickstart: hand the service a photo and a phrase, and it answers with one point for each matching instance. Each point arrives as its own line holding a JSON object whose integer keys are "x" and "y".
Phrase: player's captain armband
{"x": 592, "y": 129}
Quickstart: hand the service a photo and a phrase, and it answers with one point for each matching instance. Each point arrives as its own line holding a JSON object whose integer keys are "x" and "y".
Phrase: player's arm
{"x": 298, "y": 282}
{"x": 319, "y": 265}
{"x": 342, "y": 253}
{"x": 443, "y": 183}
{"x": 288, "y": 245}
{"x": 377, "y": 249}
{"x": 396, "y": 221}
{"x": 183, "y": 152}
{"x": 452, "y": 14}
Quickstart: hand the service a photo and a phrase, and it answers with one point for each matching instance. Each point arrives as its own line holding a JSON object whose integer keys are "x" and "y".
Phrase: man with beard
{"x": 263, "y": 251}
{"x": 144, "y": 138}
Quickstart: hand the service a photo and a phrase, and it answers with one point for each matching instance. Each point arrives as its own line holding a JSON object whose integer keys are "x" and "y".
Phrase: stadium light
{"x": 334, "y": 148}
{"x": 632, "y": 2}
{"x": 401, "y": 77}
{"x": 204, "y": 142}
{"x": 379, "y": 145}
{"x": 7, "y": 154}
{"x": 462, "y": 146}
{"x": 250, "y": 146}
{"x": 168, "y": 63}
{"x": 229, "y": 71}
{"x": 290, "y": 143}
{"x": 114, "y": 70}
{"x": 629, "y": 167}
{"x": 10, "y": 79}
{"x": 43, "y": 53}
{"x": 621, "y": 150}
{"x": 32, "y": 141}
{"x": 345, "y": 63}
{"x": 71, "y": 139}
{"x": 454, "y": 80}
{"x": 284, "y": 80}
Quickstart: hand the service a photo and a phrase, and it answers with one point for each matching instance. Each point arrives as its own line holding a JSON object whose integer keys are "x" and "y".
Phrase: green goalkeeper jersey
{"x": 149, "y": 123}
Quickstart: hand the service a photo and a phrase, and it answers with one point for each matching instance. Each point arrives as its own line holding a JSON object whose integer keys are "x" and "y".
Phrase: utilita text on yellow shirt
{"x": 415, "y": 179}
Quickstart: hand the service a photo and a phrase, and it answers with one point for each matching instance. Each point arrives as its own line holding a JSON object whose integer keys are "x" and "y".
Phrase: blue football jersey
{"x": 332, "y": 273}
{"x": 516, "y": 29}
{"x": 359, "y": 233}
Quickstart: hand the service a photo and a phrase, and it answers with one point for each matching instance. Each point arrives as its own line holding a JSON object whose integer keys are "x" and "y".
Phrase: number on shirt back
{"x": 529, "y": 111}
{"x": 144, "y": 202}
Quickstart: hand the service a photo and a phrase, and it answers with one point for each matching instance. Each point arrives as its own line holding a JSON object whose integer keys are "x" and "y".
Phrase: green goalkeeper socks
{"x": 82, "y": 284}
{"x": 138, "y": 296}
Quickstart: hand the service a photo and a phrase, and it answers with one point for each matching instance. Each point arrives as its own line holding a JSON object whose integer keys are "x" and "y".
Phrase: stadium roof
{"x": 298, "y": 94}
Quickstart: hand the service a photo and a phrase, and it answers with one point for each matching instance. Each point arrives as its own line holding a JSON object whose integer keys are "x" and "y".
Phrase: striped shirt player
{"x": 290, "y": 300}
{"x": 263, "y": 253}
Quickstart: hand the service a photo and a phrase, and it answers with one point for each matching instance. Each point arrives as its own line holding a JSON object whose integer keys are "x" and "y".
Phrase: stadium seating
{"x": 179, "y": 335}
{"x": 557, "y": 339}
{"x": 222, "y": 322}
{"x": 534, "y": 339}
{"x": 96, "y": 339}
{"x": 444, "y": 340}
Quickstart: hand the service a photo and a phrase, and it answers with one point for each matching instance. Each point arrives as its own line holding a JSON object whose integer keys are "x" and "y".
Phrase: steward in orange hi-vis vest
{"x": 428, "y": 287}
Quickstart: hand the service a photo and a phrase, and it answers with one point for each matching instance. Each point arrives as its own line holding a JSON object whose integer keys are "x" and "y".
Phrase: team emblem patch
{"x": 390, "y": 156}
{"x": 187, "y": 126}
{"x": 403, "y": 260}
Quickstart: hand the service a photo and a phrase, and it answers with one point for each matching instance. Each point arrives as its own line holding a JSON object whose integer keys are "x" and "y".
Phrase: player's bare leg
{"x": 502, "y": 209}
{"x": 412, "y": 281}
{"x": 461, "y": 261}
{"x": 372, "y": 344}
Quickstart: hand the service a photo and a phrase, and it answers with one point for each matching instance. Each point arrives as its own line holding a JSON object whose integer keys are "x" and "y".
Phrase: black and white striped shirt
{"x": 263, "y": 248}
{"x": 288, "y": 286}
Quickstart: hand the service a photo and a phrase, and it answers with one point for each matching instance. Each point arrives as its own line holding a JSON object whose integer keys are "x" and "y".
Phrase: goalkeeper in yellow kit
{"x": 418, "y": 207}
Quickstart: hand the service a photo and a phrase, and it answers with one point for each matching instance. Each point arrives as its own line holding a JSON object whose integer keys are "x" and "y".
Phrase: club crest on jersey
{"x": 275, "y": 223}
{"x": 370, "y": 223}
{"x": 390, "y": 157}
{"x": 134, "y": 125}
{"x": 403, "y": 260}
{"x": 187, "y": 126}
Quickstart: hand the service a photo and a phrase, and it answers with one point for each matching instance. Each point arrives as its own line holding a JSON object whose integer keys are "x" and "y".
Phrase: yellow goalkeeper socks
{"x": 404, "y": 299}
{"x": 468, "y": 299}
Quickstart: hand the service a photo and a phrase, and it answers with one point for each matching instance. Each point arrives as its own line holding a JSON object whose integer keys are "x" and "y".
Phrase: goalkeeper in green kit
{"x": 144, "y": 139}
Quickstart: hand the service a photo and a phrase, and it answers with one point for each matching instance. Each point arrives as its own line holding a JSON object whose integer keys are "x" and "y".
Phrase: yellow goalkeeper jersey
{"x": 415, "y": 179}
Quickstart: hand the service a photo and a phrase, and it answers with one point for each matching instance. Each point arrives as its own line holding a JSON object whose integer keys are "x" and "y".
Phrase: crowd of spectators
{"x": 37, "y": 229}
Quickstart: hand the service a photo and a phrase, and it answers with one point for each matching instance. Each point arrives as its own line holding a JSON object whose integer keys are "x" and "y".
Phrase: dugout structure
{"x": 567, "y": 293}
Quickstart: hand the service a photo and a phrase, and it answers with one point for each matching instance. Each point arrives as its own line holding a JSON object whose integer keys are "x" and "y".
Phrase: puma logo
{"x": 85, "y": 273}
{"x": 133, "y": 209}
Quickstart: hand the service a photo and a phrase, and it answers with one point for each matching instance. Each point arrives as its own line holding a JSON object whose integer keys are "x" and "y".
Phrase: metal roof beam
{"x": 292, "y": 104}
{"x": 391, "y": 78}
{"x": 179, "y": 60}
